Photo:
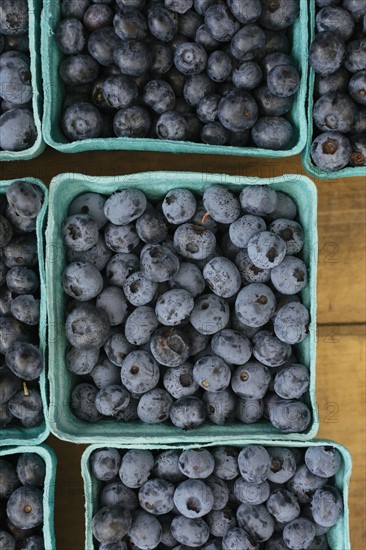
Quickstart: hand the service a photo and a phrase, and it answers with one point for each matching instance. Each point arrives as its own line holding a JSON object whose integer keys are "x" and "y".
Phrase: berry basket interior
{"x": 338, "y": 536}
{"x": 34, "y": 14}
{"x": 49, "y": 457}
{"x": 66, "y": 187}
{"x": 17, "y": 435}
{"x": 309, "y": 165}
{"x": 54, "y": 91}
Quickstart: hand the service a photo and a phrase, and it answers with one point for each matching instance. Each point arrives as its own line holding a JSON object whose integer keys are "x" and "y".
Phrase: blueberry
{"x": 12, "y": 331}
{"x": 283, "y": 464}
{"x": 17, "y": 130}
{"x": 9, "y": 386}
{"x": 251, "y": 493}
{"x": 219, "y": 66}
{"x": 280, "y": 15}
{"x": 249, "y": 410}
{"x": 254, "y": 463}
{"x": 97, "y": 16}
{"x": 221, "y": 204}
{"x": 15, "y": 80}
{"x": 139, "y": 372}
{"x": 205, "y": 39}
{"x": 247, "y": 76}
{"x": 111, "y": 400}
{"x": 139, "y": 290}
{"x": 337, "y": 20}
{"x": 355, "y": 55}
{"x": 116, "y": 493}
{"x": 110, "y": 524}
{"x": 20, "y": 251}
{"x": 25, "y": 507}
{"x": 172, "y": 126}
{"x": 354, "y": 6}
{"x": 179, "y": 381}
{"x": 125, "y": 206}
{"x": 245, "y": 11}
{"x": 326, "y": 506}
{"x": 13, "y": 17}
{"x": 158, "y": 263}
{"x": 238, "y": 111}
{"x": 196, "y": 87}
{"x": 8, "y": 478}
{"x": 7, "y": 541}
{"x": 159, "y": 96}
{"x": 222, "y": 276}
{"x": 81, "y": 121}
{"x": 154, "y": 406}
{"x": 83, "y": 403}
{"x": 6, "y": 231}
{"x": 221, "y": 23}
{"x": 104, "y": 374}
{"x": 113, "y": 302}
{"x": 70, "y": 36}
{"x": 151, "y": 227}
{"x": 210, "y": 314}
{"x": 119, "y": 91}
{"x": 89, "y": 203}
{"x": 188, "y": 412}
{"x": 269, "y": 350}
{"x": 292, "y": 382}
{"x": 236, "y": 538}
{"x": 256, "y": 521}
{"x": 87, "y": 326}
{"x": 140, "y": 325}
{"x": 130, "y": 24}
{"x": 299, "y": 533}
{"x": 327, "y": 52}
{"x": 291, "y": 324}
{"x": 162, "y": 23}
{"x": 272, "y": 133}
{"x": 161, "y": 59}
{"x": 246, "y": 42}
{"x": 70, "y": 8}
{"x": 255, "y": 304}
{"x": 334, "y": 112}
{"x": 251, "y": 380}
{"x": 188, "y": 531}
{"x": 290, "y": 416}
{"x": 24, "y": 360}
{"x": 145, "y": 531}
{"x": 21, "y": 280}
{"x": 81, "y": 361}
{"x": 323, "y": 461}
{"x": 105, "y": 464}
{"x": 156, "y": 496}
{"x": 357, "y": 87}
{"x": 174, "y": 307}
{"x": 116, "y": 348}
{"x": 121, "y": 238}
{"x": 132, "y": 121}
{"x": 167, "y": 466}
{"x": 231, "y": 346}
{"x": 189, "y": 22}
{"x": 190, "y": 58}
{"x": 283, "y": 80}
{"x": 136, "y": 467}
{"x": 220, "y": 406}
{"x": 331, "y": 151}
{"x": 283, "y": 505}
{"x": 249, "y": 272}
{"x": 82, "y": 281}
{"x": 220, "y": 521}
{"x": 193, "y": 242}
{"x": 335, "y": 82}
{"x": 201, "y": 6}
{"x": 179, "y": 206}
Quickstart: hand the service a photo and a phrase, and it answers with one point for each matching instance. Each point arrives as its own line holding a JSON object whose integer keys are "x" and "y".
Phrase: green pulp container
{"x": 54, "y": 91}
{"x": 307, "y": 161}
{"x": 50, "y": 460}
{"x": 34, "y": 14}
{"x": 64, "y": 189}
{"x": 18, "y": 435}
{"x": 338, "y": 536}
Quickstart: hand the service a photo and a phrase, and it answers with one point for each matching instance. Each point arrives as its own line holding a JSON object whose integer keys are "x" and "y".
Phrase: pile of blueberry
{"x": 207, "y": 71}
{"x": 21, "y": 360}
{"x": 21, "y": 502}
{"x": 189, "y": 309}
{"x": 250, "y": 498}
{"x": 17, "y": 128}
{"x": 338, "y": 57}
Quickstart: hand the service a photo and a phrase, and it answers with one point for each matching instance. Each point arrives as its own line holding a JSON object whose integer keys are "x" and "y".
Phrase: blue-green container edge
{"x": 50, "y": 14}
{"x": 19, "y": 435}
{"x": 50, "y": 460}
{"x": 339, "y": 535}
{"x": 78, "y": 432}
{"x": 308, "y": 164}
{"x": 34, "y": 13}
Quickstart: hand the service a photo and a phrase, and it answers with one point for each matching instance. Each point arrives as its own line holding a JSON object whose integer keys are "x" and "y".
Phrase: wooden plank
{"x": 341, "y": 397}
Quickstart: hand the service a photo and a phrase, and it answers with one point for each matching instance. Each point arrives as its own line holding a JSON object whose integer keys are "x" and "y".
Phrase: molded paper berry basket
{"x": 338, "y": 536}
{"x": 18, "y": 435}
{"x": 307, "y": 161}
{"x": 63, "y": 190}
{"x": 34, "y": 14}
{"x": 53, "y": 95}
{"x": 50, "y": 460}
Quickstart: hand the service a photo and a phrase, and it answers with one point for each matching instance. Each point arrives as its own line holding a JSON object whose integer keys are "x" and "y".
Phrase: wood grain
{"x": 341, "y": 364}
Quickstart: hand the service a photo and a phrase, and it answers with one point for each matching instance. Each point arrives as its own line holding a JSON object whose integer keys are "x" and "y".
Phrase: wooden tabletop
{"x": 341, "y": 357}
